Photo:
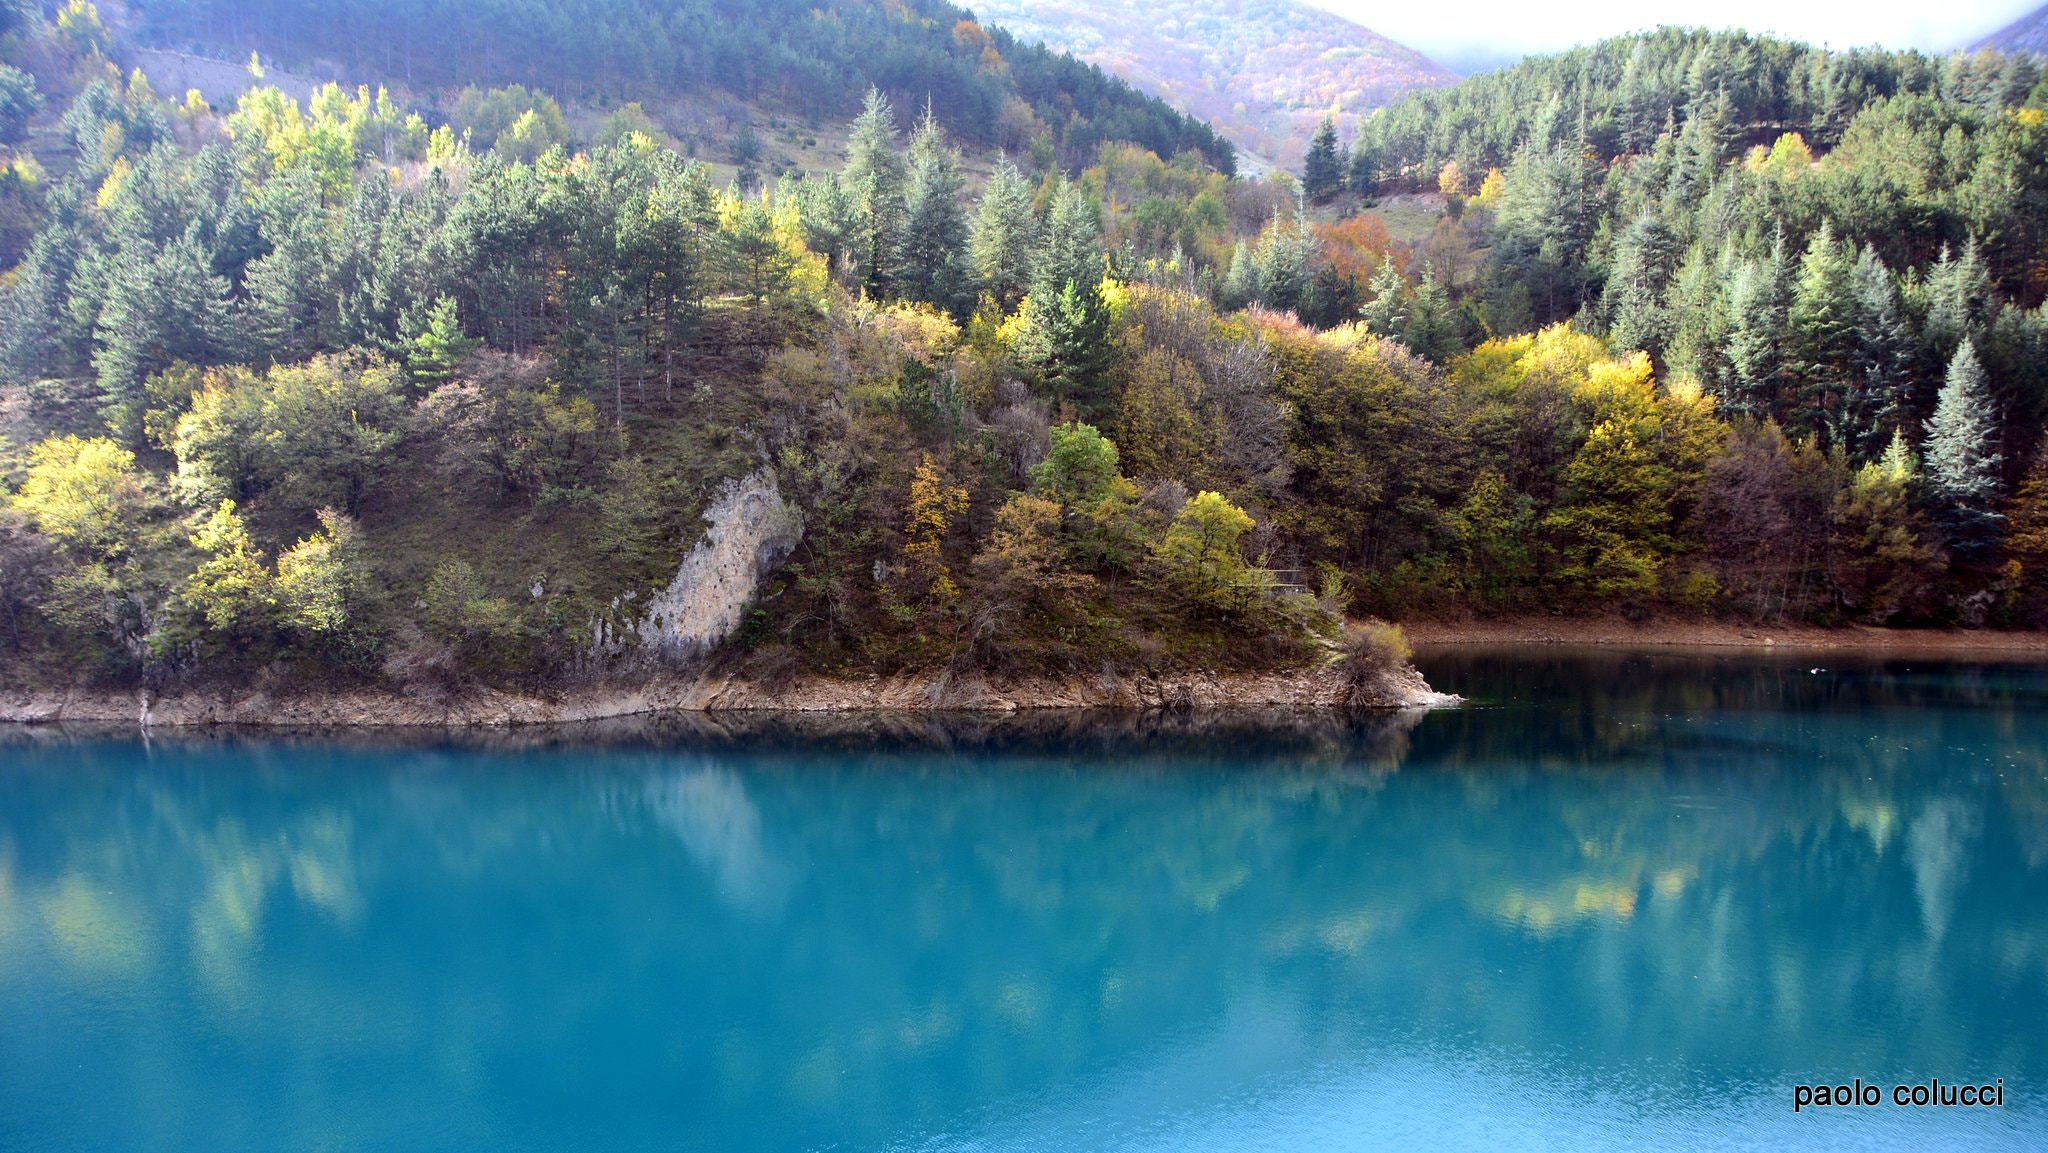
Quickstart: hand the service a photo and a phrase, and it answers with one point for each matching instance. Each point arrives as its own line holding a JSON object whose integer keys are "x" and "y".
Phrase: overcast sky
{"x": 1473, "y": 34}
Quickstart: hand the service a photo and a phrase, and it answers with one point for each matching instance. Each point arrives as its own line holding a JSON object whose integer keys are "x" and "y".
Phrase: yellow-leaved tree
{"x": 933, "y": 505}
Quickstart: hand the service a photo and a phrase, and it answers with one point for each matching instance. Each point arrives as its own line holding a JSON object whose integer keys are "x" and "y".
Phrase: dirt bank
{"x": 1614, "y": 632}
{"x": 217, "y": 705}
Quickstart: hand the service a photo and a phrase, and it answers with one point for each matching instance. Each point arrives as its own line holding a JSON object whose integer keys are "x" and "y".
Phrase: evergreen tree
{"x": 1065, "y": 334}
{"x": 1065, "y": 339}
{"x": 935, "y": 233}
{"x": 1548, "y": 218}
{"x": 1756, "y": 306}
{"x": 1824, "y": 327}
{"x": 1645, "y": 259}
{"x": 1698, "y": 317}
{"x": 1956, "y": 291}
{"x": 1241, "y": 280}
{"x": 1070, "y": 251}
{"x": 1282, "y": 265}
{"x": 1881, "y": 371}
{"x": 161, "y": 306}
{"x": 294, "y": 305}
{"x": 2015, "y": 356}
{"x": 19, "y": 99}
{"x": 1322, "y": 174}
{"x": 1431, "y": 331}
{"x": 13, "y": 17}
{"x": 752, "y": 258}
{"x": 440, "y": 345}
{"x": 826, "y": 212}
{"x": 1362, "y": 173}
{"x": 874, "y": 177}
{"x": 1004, "y": 236}
{"x": 1386, "y": 314}
{"x": 1962, "y": 454}
{"x": 509, "y": 242}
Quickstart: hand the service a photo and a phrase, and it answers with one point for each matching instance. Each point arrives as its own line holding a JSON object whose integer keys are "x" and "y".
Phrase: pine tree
{"x": 1070, "y": 251}
{"x": 161, "y": 306}
{"x": 1386, "y": 314}
{"x": 1548, "y": 217}
{"x": 440, "y": 345}
{"x": 1004, "y": 236}
{"x": 1956, "y": 291}
{"x": 874, "y": 177}
{"x": 1065, "y": 332}
{"x": 1881, "y": 370}
{"x": 1065, "y": 339}
{"x": 1698, "y": 317}
{"x": 1823, "y": 330}
{"x": 1432, "y": 328}
{"x": 750, "y": 252}
{"x": 2015, "y": 355}
{"x": 1282, "y": 263}
{"x": 935, "y": 233}
{"x": 1962, "y": 456}
{"x": 294, "y": 305}
{"x": 1645, "y": 259}
{"x": 1756, "y": 304}
{"x": 1363, "y": 171}
{"x": 826, "y": 212}
{"x": 1241, "y": 280}
{"x": 1322, "y": 174}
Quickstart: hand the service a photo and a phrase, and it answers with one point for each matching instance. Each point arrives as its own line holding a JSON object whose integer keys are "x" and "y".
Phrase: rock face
{"x": 752, "y": 530}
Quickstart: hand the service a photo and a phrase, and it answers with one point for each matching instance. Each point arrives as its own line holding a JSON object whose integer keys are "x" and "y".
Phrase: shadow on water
{"x": 1639, "y": 897}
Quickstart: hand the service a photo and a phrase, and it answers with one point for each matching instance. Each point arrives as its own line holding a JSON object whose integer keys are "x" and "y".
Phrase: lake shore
{"x": 1616, "y": 632}
{"x": 199, "y": 706}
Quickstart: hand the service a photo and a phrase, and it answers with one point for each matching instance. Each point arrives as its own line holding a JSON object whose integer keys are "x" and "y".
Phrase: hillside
{"x": 414, "y": 393}
{"x": 2027, "y": 34}
{"x": 1264, "y": 71}
{"x": 813, "y": 59}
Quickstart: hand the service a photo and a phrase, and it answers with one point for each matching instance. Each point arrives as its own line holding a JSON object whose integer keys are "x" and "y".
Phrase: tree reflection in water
{"x": 1700, "y": 877}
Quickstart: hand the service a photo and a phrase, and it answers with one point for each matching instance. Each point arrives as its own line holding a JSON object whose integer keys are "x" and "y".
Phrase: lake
{"x": 1616, "y": 902}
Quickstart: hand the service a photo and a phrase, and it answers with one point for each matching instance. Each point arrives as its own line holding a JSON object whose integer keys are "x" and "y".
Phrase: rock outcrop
{"x": 751, "y": 531}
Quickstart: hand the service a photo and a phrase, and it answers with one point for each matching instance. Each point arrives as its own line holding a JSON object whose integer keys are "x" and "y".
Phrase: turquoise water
{"x": 1613, "y": 904}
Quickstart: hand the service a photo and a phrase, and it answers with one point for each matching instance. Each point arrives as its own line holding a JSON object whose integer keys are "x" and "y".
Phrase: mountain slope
{"x": 2027, "y": 34}
{"x": 1264, "y": 71}
{"x": 813, "y": 57}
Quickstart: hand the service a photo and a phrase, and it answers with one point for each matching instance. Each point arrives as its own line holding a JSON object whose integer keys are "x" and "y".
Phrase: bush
{"x": 1372, "y": 653}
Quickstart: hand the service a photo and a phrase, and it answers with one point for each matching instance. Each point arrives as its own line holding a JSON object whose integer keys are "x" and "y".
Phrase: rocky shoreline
{"x": 1322, "y": 688}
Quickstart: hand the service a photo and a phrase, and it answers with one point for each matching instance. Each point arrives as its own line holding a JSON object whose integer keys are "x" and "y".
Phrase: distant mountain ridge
{"x": 2027, "y": 34}
{"x": 1263, "y": 71}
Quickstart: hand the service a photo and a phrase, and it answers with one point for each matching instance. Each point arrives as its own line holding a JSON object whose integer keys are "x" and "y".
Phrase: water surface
{"x": 1615, "y": 903}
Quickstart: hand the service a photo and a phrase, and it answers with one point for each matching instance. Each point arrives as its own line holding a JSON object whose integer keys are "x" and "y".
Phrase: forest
{"x": 344, "y": 387}
{"x": 812, "y": 57}
{"x": 1263, "y": 71}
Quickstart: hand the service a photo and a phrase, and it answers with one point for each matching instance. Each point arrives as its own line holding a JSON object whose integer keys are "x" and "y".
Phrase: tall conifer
{"x": 874, "y": 176}
{"x": 1322, "y": 175}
